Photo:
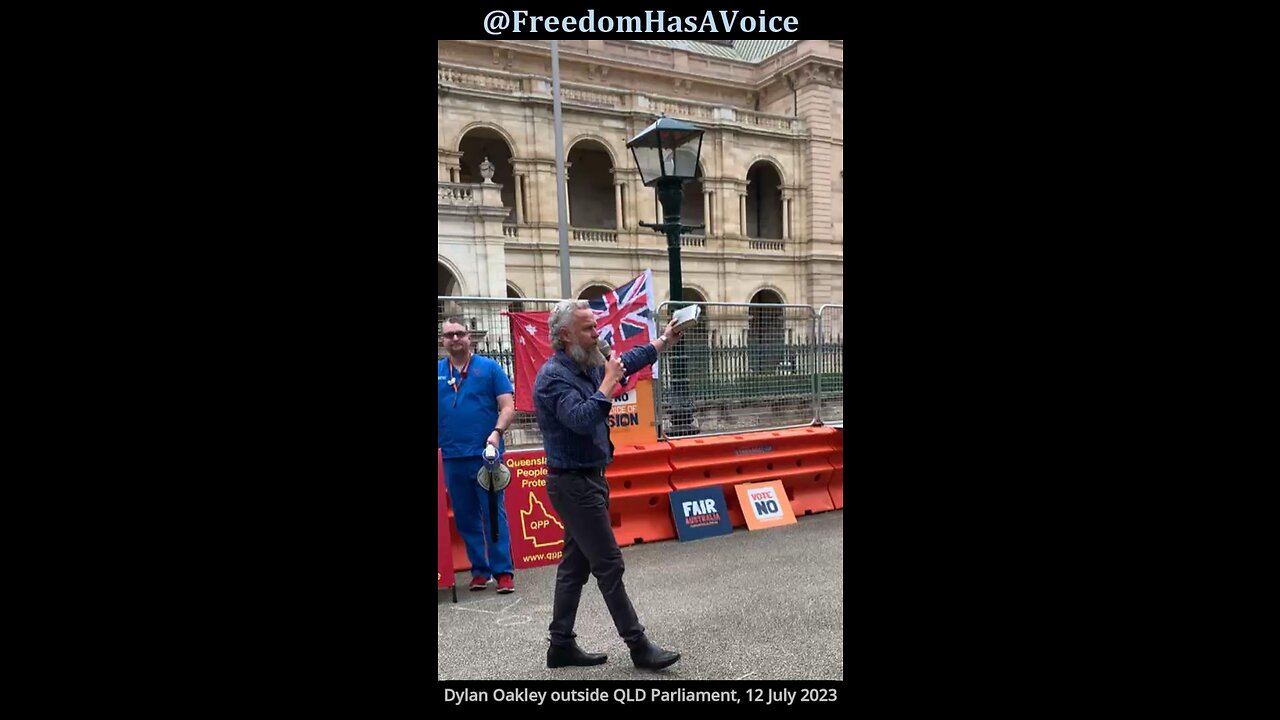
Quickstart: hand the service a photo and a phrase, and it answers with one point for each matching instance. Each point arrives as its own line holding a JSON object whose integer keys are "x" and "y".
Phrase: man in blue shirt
{"x": 572, "y": 398}
{"x": 475, "y": 407}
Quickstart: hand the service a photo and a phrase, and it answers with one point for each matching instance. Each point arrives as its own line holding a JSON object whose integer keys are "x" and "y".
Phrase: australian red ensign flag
{"x": 624, "y": 318}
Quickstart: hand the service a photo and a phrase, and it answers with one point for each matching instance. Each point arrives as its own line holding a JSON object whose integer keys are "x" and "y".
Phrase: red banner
{"x": 625, "y": 319}
{"x": 444, "y": 551}
{"x": 537, "y": 535}
{"x": 533, "y": 347}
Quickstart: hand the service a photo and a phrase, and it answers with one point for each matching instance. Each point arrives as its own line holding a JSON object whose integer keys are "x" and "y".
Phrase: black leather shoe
{"x": 571, "y": 654}
{"x": 647, "y": 655}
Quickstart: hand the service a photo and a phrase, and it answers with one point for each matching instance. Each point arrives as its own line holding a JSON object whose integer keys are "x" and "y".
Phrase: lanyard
{"x": 462, "y": 377}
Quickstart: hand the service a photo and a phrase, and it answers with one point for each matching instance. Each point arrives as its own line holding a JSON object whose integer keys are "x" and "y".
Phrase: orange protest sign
{"x": 765, "y": 505}
{"x": 631, "y": 418}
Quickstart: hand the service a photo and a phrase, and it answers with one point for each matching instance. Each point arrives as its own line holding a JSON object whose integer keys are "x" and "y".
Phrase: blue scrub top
{"x": 464, "y": 428}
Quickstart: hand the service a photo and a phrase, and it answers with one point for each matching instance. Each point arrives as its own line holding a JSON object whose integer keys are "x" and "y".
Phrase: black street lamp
{"x": 667, "y": 154}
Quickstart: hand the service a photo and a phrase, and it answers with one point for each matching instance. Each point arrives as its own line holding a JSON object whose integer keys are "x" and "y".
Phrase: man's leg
{"x": 584, "y": 508}
{"x": 570, "y": 576}
{"x": 460, "y": 479}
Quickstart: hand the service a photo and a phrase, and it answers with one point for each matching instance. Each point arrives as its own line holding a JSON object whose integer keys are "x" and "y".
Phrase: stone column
{"x": 518, "y": 179}
{"x": 448, "y": 161}
{"x": 706, "y": 211}
{"x": 742, "y": 212}
{"x": 617, "y": 203}
{"x": 568, "y": 214}
{"x": 529, "y": 176}
{"x": 786, "y": 216}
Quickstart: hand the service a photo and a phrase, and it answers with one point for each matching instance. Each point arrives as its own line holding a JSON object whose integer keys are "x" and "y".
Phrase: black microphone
{"x": 606, "y": 350}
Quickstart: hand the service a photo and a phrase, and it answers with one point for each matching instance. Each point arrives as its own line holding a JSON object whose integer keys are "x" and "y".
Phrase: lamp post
{"x": 666, "y": 154}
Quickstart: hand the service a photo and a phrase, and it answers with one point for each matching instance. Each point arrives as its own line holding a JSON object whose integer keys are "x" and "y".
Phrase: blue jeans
{"x": 471, "y": 513}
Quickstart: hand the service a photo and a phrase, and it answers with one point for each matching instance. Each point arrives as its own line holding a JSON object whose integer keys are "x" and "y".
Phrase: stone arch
{"x": 495, "y": 127}
{"x": 696, "y": 288}
{"x": 450, "y": 282}
{"x": 687, "y": 286}
{"x": 514, "y": 293}
{"x": 702, "y": 163}
{"x": 593, "y": 290}
{"x": 773, "y": 162}
{"x": 459, "y": 286}
{"x": 612, "y": 152}
{"x": 767, "y": 288}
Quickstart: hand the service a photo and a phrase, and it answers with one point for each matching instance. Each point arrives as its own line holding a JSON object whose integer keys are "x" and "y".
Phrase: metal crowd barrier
{"x": 743, "y": 367}
{"x": 749, "y": 366}
{"x": 829, "y": 395}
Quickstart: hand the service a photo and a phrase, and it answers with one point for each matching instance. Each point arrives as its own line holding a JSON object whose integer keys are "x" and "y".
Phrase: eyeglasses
{"x": 452, "y": 335}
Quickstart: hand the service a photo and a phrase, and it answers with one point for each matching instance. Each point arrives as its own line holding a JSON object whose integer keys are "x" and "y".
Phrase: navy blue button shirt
{"x": 572, "y": 412}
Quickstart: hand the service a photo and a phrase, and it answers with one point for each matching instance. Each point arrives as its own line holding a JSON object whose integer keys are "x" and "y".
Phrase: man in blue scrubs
{"x": 475, "y": 408}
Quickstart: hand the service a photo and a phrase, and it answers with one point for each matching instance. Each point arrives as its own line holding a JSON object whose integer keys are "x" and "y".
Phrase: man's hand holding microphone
{"x": 614, "y": 372}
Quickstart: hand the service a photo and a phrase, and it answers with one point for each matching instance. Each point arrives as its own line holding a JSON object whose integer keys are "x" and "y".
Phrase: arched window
{"x": 480, "y": 143}
{"x": 766, "y": 332}
{"x": 764, "y": 202}
{"x": 591, "y": 193}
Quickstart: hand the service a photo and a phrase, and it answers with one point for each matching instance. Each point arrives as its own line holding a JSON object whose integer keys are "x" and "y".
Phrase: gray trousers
{"x": 581, "y": 499}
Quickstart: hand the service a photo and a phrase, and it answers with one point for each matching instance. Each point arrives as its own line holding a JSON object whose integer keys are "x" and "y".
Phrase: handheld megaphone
{"x": 493, "y": 476}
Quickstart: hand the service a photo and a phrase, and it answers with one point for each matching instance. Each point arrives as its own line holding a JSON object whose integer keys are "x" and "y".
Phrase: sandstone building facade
{"x": 771, "y": 179}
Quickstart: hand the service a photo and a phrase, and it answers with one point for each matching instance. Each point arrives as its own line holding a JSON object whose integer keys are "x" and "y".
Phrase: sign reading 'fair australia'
{"x": 700, "y": 513}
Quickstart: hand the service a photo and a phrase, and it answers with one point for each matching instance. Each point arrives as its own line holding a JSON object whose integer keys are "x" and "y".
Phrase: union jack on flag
{"x": 624, "y": 317}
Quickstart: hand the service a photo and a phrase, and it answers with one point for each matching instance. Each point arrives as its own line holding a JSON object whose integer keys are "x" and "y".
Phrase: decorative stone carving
{"x": 503, "y": 58}
{"x": 486, "y": 171}
{"x": 816, "y": 75}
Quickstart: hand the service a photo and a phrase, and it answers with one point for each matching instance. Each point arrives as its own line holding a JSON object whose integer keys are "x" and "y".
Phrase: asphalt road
{"x": 764, "y": 605}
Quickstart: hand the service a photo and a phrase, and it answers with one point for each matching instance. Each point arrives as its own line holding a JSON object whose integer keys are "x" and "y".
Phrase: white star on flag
{"x": 531, "y": 329}
{"x": 522, "y": 340}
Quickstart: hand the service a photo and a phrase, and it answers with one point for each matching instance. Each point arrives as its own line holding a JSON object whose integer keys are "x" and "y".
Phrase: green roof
{"x": 752, "y": 51}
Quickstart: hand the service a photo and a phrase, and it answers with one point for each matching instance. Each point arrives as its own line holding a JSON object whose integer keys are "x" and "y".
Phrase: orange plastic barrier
{"x": 837, "y": 462}
{"x": 639, "y": 480}
{"x": 797, "y": 457}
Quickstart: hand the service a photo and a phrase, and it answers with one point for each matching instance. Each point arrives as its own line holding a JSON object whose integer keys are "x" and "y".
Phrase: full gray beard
{"x": 586, "y": 359}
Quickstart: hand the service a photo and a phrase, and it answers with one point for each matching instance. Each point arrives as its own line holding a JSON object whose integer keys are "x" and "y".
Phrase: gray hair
{"x": 560, "y": 316}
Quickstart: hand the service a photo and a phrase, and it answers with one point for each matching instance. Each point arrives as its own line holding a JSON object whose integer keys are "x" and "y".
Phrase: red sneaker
{"x": 505, "y": 584}
{"x": 479, "y": 582}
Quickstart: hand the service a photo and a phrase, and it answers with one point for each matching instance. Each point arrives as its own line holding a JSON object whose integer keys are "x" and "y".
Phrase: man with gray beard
{"x": 572, "y": 398}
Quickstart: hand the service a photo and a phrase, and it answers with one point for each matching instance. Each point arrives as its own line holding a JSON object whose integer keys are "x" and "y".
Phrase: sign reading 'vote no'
{"x": 765, "y": 505}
